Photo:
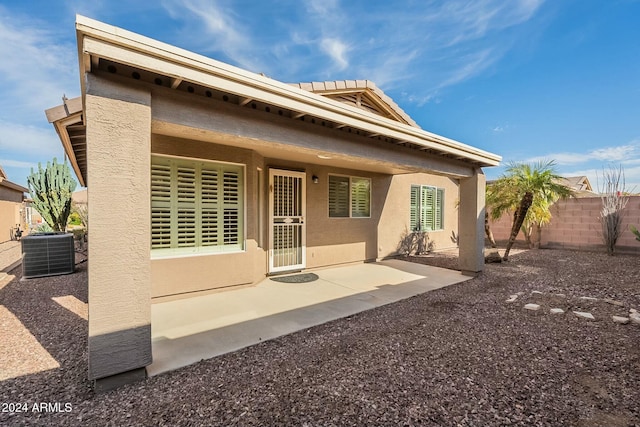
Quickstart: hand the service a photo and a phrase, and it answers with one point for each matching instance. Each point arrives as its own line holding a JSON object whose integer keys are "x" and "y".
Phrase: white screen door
{"x": 287, "y": 199}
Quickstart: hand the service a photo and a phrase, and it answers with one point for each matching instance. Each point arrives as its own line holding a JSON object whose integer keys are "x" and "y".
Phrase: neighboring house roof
{"x": 13, "y": 186}
{"x": 577, "y": 183}
{"x": 108, "y": 48}
{"x": 4, "y": 182}
{"x": 363, "y": 94}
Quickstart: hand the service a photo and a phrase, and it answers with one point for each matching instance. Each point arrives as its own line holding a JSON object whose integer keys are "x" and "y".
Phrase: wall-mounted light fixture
{"x": 315, "y": 179}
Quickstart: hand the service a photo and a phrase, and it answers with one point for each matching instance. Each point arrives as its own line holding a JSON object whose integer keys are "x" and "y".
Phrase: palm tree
{"x": 521, "y": 187}
{"x": 538, "y": 215}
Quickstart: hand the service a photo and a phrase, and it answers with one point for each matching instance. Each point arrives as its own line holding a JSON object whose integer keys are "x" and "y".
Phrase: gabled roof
{"x": 3, "y": 175}
{"x": 578, "y": 183}
{"x": 108, "y": 49}
{"x": 363, "y": 94}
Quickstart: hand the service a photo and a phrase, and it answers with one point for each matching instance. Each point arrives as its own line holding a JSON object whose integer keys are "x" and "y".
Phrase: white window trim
{"x": 351, "y": 177}
{"x": 169, "y": 253}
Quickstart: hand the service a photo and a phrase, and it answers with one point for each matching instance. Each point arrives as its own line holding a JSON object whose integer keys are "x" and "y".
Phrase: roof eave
{"x": 13, "y": 186}
{"x": 62, "y": 116}
{"x": 99, "y": 40}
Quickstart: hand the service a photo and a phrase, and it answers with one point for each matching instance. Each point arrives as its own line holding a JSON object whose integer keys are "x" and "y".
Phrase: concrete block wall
{"x": 575, "y": 224}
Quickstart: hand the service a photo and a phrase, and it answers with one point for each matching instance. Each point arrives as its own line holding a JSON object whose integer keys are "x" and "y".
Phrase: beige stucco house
{"x": 13, "y": 207}
{"x": 225, "y": 176}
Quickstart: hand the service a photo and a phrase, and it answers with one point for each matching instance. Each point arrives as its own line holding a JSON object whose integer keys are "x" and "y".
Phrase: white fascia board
{"x": 121, "y": 46}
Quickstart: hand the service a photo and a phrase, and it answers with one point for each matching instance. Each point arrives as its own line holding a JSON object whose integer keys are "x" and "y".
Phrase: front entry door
{"x": 287, "y": 236}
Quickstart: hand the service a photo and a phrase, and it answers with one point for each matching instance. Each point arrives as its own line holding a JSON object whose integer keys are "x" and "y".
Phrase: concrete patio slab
{"x": 189, "y": 330}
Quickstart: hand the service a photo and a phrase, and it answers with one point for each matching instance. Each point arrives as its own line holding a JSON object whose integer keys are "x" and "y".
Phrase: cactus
{"x": 636, "y": 232}
{"x": 50, "y": 190}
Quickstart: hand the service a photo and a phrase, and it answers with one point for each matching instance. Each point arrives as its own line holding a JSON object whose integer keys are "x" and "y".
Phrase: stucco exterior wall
{"x": 118, "y": 150}
{"x": 186, "y": 274}
{"x": 329, "y": 241}
{"x": 333, "y": 241}
{"x": 394, "y": 221}
{"x": 9, "y": 217}
{"x": 10, "y": 195}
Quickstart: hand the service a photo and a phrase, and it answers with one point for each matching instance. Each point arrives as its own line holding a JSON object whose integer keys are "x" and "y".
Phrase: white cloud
{"x": 218, "y": 30}
{"x": 38, "y": 142}
{"x": 18, "y": 164}
{"x": 322, "y": 7}
{"x": 621, "y": 153}
{"x": 337, "y": 50}
{"x": 444, "y": 43}
{"x": 40, "y": 70}
{"x": 471, "y": 65}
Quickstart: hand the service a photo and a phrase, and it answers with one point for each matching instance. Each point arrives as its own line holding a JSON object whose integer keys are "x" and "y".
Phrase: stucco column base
{"x": 471, "y": 273}
{"x": 114, "y": 381}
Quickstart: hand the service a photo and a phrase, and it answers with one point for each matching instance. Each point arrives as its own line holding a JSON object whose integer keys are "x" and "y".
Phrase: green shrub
{"x": 74, "y": 219}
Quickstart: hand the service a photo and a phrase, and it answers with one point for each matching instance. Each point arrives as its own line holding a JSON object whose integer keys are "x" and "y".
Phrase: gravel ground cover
{"x": 457, "y": 356}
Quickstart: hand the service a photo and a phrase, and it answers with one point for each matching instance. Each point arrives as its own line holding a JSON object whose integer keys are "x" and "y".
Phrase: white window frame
{"x": 240, "y": 246}
{"x": 350, "y": 194}
{"x": 438, "y": 209}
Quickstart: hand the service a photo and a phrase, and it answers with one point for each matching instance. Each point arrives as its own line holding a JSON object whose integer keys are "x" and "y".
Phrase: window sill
{"x": 162, "y": 256}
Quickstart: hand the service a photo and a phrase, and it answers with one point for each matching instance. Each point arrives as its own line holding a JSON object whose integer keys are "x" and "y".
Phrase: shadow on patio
{"x": 189, "y": 330}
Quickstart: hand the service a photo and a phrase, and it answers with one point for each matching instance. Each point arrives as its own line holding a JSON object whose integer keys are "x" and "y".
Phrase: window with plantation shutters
{"x": 338, "y": 196}
{"x": 196, "y": 206}
{"x": 426, "y": 212}
{"x": 349, "y": 197}
{"x": 360, "y": 198}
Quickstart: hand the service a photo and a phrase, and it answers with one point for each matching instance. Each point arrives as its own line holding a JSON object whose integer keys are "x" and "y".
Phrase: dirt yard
{"x": 457, "y": 356}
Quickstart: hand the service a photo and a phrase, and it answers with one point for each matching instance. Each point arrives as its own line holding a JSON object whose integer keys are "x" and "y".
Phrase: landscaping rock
{"x": 635, "y": 318}
{"x": 613, "y": 302}
{"x": 532, "y": 307}
{"x": 620, "y": 319}
{"x": 493, "y": 257}
{"x": 584, "y": 315}
{"x": 512, "y": 298}
{"x": 589, "y": 298}
{"x": 557, "y": 311}
{"x": 536, "y": 293}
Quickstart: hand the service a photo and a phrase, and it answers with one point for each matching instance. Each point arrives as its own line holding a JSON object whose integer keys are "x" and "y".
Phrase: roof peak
{"x": 375, "y": 101}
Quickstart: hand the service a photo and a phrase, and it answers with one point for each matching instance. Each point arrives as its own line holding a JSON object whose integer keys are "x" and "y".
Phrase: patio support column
{"x": 471, "y": 223}
{"x": 118, "y": 135}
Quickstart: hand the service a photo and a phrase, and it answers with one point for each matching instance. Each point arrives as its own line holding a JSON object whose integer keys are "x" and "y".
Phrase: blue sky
{"x": 527, "y": 79}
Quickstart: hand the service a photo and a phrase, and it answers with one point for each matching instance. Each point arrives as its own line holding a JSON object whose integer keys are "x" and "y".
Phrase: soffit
{"x": 68, "y": 120}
